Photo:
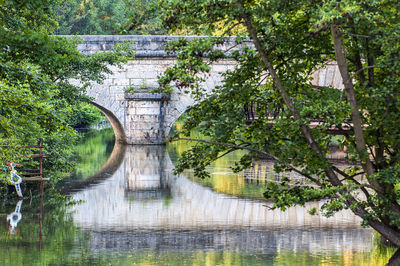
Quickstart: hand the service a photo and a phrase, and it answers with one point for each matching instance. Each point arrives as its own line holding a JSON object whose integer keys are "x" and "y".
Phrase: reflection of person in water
{"x": 15, "y": 179}
{"x": 14, "y": 218}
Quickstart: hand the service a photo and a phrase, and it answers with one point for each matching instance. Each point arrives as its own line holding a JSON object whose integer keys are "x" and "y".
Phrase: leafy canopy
{"x": 81, "y": 17}
{"x": 36, "y": 89}
{"x": 272, "y": 78}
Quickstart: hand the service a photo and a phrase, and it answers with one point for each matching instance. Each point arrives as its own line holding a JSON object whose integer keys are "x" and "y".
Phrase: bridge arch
{"x": 118, "y": 128}
{"x": 144, "y": 117}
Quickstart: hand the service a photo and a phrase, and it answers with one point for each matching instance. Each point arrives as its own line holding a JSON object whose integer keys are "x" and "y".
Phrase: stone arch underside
{"x": 177, "y": 106}
{"x": 118, "y": 128}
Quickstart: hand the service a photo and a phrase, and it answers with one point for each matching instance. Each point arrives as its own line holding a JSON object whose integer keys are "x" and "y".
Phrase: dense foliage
{"x": 80, "y": 17}
{"x": 289, "y": 41}
{"x": 36, "y": 89}
{"x": 84, "y": 115}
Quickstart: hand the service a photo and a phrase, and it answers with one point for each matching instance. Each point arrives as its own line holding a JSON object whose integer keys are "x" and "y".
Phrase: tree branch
{"x": 370, "y": 60}
{"x": 358, "y": 35}
{"x": 364, "y": 68}
{"x": 346, "y": 176}
{"x": 357, "y": 56}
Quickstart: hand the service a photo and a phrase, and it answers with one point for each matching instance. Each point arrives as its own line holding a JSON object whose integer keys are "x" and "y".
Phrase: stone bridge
{"x": 144, "y": 117}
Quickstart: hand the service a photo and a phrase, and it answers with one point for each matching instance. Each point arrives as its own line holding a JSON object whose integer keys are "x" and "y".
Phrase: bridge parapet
{"x": 144, "y": 45}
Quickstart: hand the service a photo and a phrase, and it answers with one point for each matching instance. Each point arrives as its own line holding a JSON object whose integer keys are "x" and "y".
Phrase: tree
{"x": 36, "y": 92}
{"x": 143, "y": 18}
{"x": 290, "y": 40}
{"x": 92, "y": 17}
{"x": 109, "y": 17}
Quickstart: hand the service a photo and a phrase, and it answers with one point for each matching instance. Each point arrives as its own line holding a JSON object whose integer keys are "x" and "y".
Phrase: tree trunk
{"x": 395, "y": 259}
{"x": 355, "y": 114}
{"x": 286, "y": 97}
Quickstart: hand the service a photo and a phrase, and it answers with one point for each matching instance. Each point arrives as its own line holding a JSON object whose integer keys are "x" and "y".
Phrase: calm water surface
{"x": 133, "y": 211}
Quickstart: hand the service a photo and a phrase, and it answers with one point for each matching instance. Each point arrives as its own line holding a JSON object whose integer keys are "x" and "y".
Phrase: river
{"x": 132, "y": 210}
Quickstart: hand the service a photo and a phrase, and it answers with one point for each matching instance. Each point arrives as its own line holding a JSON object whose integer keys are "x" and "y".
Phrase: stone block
{"x": 117, "y": 89}
{"x": 148, "y": 126}
{"x": 130, "y": 111}
{"x": 135, "y": 118}
{"x": 144, "y": 61}
{"x": 120, "y": 97}
{"x": 120, "y": 82}
{"x": 119, "y": 75}
{"x": 330, "y": 73}
{"x": 148, "y": 74}
{"x": 167, "y": 62}
{"x": 220, "y": 68}
{"x": 152, "y": 83}
{"x": 149, "y": 104}
{"x": 148, "y": 111}
{"x": 140, "y": 84}
{"x": 321, "y": 77}
{"x": 338, "y": 81}
{"x": 106, "y": 82}
{"x": 315, "y": 78}
{"x": 115, "y": 69}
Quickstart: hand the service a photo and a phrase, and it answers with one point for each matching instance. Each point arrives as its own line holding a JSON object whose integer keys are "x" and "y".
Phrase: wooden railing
{"x": 250, "y": 112}
{"x": 31, "y": 174}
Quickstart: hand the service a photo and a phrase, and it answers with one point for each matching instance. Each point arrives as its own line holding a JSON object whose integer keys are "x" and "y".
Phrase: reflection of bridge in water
{"x": 144, "y": 202}
{"x": 262, "y": 172}
{"x": 244, "y": 240}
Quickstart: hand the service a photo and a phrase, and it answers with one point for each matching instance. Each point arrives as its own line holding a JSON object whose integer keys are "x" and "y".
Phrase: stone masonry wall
{"x": 149, "y": 120}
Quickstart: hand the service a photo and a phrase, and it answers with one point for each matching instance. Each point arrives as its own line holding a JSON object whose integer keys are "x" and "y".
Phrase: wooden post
{"x": 41, "y": 164}
{"x": 41, "y": 191}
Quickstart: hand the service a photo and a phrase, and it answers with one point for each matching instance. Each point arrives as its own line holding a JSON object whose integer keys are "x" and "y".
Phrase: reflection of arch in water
{"x": 191, "y": 206}
{"x": 107, "y": 170}
{"x": 195, "y": 217}
{"x": 263, "y": 171}
{"x": 119, "y": 131}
